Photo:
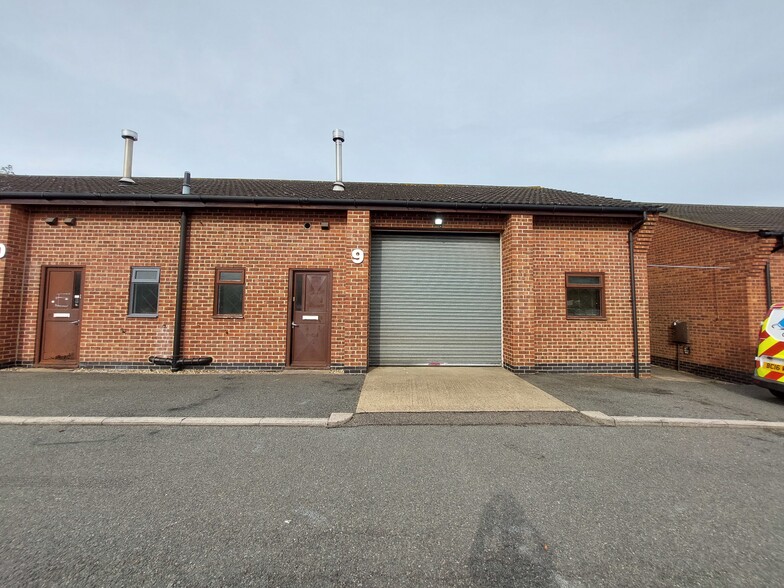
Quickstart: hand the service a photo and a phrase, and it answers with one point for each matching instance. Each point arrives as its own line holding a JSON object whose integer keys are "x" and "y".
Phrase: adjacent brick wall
{"x": 107, "y": 242}
{"x": 567, "y": 244}
{"x": 519, "y": 292}
{"x": 536, "y": 254}
{"x": 13, "y": 234}
{"x": 777, "y": 275}
{"x": 423, "y": 221}
{"x": 353, "y": 307}
{"x": 723, "y": 305}
{"x": 267, "y": 244}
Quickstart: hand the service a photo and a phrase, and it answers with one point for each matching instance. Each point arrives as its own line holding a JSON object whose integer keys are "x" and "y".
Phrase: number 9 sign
{"x": 357, "y": 256}
{"x": 2, "y": 250}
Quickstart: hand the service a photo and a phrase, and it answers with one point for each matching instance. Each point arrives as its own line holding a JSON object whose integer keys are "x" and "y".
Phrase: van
{"x": 770, "y": 352}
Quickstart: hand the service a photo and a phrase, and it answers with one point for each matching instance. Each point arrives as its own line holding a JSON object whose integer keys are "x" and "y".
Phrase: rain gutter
{"x": 202, "y": 200}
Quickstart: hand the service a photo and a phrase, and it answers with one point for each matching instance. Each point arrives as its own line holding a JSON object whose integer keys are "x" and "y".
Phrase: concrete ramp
{"x": 452, "y": 389}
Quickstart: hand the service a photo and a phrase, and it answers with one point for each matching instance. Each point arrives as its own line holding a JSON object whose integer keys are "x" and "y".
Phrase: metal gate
{"x": 435, "y": 299}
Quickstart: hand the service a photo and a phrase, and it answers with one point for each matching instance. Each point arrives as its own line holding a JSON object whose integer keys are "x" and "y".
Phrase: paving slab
{"x": 452, "y": 389}
{"x": 523, "y": 418}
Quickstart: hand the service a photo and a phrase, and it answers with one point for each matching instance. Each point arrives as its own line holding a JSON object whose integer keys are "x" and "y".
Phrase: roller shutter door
{"x": 435, "y": 299}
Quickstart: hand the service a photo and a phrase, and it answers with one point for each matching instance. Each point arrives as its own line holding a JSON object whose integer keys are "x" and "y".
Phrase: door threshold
{"x": 304, "y": 370}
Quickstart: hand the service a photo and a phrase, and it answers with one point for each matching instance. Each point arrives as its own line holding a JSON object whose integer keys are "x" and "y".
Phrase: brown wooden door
{"x": 311, "y": 319}
{"x": 62, "y": 317}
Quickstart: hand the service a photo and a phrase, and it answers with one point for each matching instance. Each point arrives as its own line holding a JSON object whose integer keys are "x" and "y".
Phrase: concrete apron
{"x": 452, "y": 389}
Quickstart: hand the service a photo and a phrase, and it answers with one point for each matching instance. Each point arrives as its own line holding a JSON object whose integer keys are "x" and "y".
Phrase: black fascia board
{"x": 40, "y": 198}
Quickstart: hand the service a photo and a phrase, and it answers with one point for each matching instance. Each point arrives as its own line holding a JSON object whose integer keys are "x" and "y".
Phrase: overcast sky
{"x": 670, "y": 101}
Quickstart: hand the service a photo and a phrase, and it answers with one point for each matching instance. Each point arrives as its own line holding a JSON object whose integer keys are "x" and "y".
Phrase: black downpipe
{"x": 778, "y": 247}
{"x": 176, "y": 363}
{"x": 768, "y": 286}
{"x": 635, "y": 327}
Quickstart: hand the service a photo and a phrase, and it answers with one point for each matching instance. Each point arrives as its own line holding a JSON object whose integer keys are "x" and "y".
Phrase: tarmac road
{"x": 391, "y": 506}
{"x": 221, "y": 394}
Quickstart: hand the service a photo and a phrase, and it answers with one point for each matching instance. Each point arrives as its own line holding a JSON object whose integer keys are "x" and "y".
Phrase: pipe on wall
{"x": 768, "y": 286}
{"x": 779, "y": 236}
{"x": 176, "y": 352}
{"x": 635, "y": 326}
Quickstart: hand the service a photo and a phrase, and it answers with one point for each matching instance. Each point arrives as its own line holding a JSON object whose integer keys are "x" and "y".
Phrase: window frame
{"x": 132, "y": 292}
{"x": 218, "y": 282}
{"x": 601, "y": 286}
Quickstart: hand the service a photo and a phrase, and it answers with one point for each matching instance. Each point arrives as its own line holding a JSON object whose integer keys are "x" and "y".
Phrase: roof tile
{"x": 740, "y": 218}
{"x": 313, "y": 190}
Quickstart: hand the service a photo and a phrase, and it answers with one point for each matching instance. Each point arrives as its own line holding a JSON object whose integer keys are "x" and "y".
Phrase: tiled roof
{"x": 741, "y": 218}
{"x": 313, "y": 192}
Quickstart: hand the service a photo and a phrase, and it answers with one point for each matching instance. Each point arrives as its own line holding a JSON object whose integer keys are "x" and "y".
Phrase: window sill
{"x": 155, "y": 316}
{"x": 586, "y": 318}
{"x": 228, "y": 316}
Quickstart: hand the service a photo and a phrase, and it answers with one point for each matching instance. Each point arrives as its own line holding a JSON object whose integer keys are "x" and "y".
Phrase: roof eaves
{"x": 711, "y": 225}
{"x": 34, "y": 198}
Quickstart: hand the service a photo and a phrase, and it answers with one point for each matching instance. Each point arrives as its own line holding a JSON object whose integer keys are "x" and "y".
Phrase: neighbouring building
{"x": 717, "y": 269}
{"x": 269, "y": 274}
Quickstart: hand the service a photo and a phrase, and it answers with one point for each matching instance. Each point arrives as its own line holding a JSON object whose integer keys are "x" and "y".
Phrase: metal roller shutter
{"x": 435, "y": 299}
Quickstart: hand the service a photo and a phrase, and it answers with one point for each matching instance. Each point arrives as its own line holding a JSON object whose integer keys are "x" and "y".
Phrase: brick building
{"x": 717, "y": 268}
{"x": 269, "y": 274}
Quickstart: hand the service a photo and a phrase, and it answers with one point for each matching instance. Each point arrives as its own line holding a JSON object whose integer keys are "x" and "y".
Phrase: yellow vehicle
{"x": 770, "y": 352}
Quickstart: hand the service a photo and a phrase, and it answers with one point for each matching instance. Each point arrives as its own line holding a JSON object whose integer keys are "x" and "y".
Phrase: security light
{"x": 438, "y": 221}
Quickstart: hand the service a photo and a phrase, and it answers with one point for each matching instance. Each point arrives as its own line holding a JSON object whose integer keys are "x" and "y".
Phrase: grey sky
{"x": 677, "y": 101}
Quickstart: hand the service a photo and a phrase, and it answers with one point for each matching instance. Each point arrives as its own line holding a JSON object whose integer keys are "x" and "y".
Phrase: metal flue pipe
{"x": 338, "y": 137}
{"x": 129, "y": 136}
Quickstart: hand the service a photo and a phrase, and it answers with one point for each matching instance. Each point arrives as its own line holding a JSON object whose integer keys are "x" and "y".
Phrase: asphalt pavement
{"x": 667, "y": 394}
{"x": 494, "y": 506}
{"x": 283, "y": 394}
{"x": 317, "y": 395}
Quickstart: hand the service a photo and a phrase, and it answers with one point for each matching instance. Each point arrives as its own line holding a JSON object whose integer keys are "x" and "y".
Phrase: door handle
{"x": 74, "y": 322}
{"x": 293, "y": 324}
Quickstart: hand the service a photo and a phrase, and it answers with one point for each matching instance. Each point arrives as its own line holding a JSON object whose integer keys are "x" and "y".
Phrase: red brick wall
{"x": 108, "y": 242}
{"x": 268, "y": 244}
{"x": 723, "y": 307}
{"x": 519, "y": 291}
{"x": 777, "y": 275}
{"x": 353, "y": 307}
{"x": 13, "y": 234}
{"x": 567, "y": 244}
{"x": 423, "y": 221}
{"x": 536, "y": 254}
